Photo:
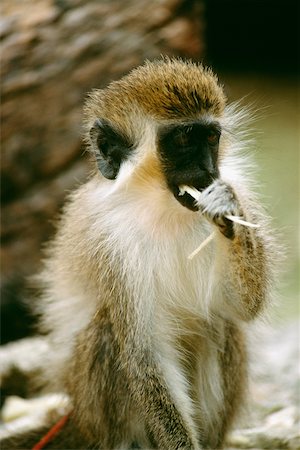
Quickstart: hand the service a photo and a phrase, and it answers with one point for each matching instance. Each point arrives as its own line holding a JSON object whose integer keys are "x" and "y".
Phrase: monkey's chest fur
{"x": 178, "y": 300}
{"x": 190, "y": 336}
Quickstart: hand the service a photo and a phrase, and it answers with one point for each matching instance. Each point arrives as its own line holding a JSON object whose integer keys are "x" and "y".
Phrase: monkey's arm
{"x": 124, "y": 376}
{"x": 243, "y": 263}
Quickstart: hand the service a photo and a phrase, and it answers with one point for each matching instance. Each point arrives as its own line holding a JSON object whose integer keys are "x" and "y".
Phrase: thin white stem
{"x": 190, "y": 190}
{"x": 196, "y": 195}
{"x": 241, "y": 221}
{"x": 202, "y": 245}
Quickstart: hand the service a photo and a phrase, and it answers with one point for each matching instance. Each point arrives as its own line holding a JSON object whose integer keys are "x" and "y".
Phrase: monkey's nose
{"x": 203, "y": 179}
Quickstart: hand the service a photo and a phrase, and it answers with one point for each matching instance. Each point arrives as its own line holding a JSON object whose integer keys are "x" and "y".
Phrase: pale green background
{"x": 277, "y": 154}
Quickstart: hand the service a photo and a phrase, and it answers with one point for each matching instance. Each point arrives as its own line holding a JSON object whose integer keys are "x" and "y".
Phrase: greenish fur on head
{"x": 166, "y": 89}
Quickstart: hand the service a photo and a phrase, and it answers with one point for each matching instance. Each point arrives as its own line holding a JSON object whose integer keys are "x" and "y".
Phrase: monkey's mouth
{"x": 186, "y": 199}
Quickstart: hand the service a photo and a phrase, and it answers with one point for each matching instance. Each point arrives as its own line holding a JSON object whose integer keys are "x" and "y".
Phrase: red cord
{"x": 51, "y": 433}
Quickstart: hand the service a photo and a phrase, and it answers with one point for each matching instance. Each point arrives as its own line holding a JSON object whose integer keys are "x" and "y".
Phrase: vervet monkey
{"x": 149, "y": 344}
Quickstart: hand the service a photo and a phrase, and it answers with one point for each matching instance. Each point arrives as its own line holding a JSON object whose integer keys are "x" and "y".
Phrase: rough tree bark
{"x": 53, "y": 53}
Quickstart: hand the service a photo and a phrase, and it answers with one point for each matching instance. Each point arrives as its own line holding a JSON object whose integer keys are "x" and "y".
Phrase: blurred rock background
{"x": 55, "y": 51}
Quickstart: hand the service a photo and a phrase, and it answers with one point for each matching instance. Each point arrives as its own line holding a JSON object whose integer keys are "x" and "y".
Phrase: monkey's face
{"x": 189, "y": 156}
{"x": 162, "y": 118}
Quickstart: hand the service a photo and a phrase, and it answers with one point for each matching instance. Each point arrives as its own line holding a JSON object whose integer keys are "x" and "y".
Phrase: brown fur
{"x": 164, "y": 90}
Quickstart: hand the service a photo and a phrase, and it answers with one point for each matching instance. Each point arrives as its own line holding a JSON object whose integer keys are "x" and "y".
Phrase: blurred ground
{"x": 270, "y": 421}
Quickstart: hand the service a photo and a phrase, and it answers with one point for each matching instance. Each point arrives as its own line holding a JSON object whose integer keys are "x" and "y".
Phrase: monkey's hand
{"x": 217, "y": 202}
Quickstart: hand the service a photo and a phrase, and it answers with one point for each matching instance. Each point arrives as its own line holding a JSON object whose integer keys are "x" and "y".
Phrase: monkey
{"x": 150, "y": 346}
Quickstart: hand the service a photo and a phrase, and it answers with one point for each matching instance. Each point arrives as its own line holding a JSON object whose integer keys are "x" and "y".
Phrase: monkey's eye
{"x": 213, "y": 137}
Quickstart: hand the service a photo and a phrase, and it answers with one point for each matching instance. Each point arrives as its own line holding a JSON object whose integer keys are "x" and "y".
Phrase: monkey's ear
{"x": 110, "y": 147}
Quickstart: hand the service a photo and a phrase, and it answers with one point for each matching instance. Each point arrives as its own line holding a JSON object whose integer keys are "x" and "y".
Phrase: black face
{"x": 188, "y": 152}
{"x": 189, "y": 155}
